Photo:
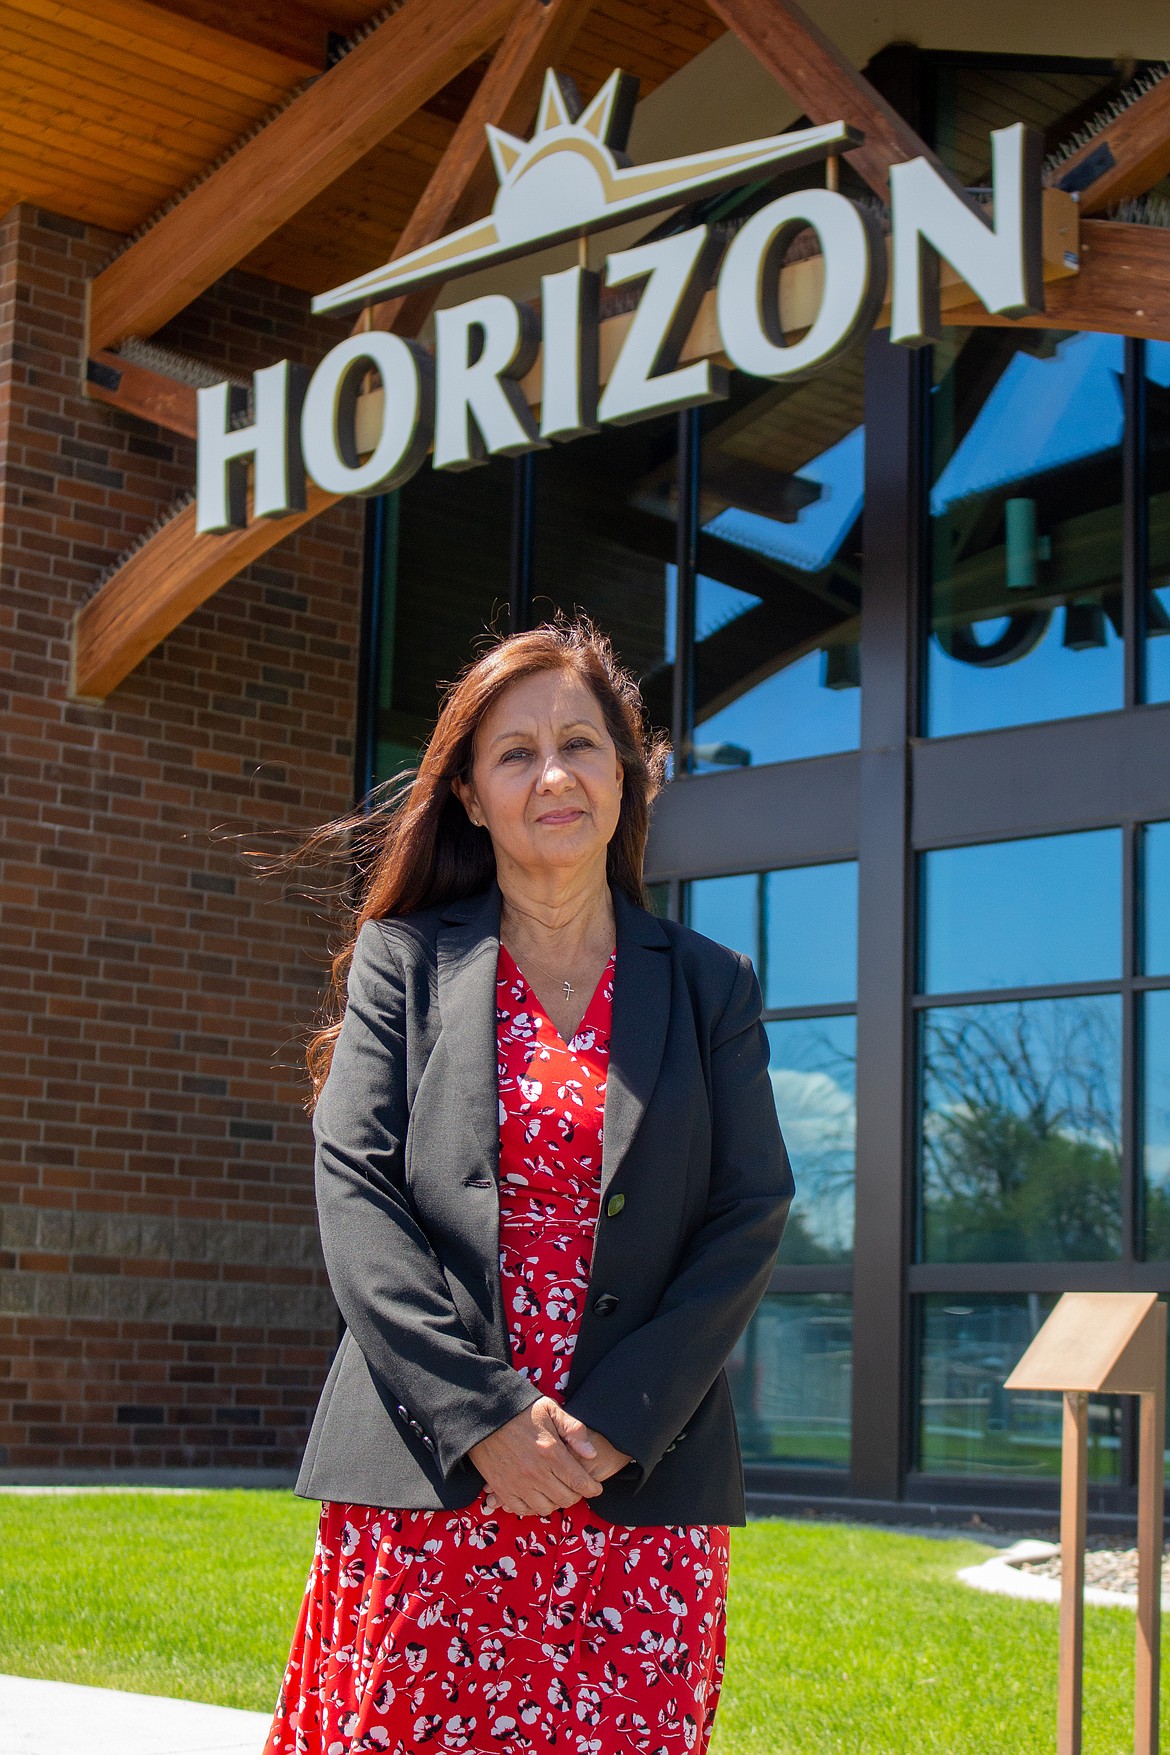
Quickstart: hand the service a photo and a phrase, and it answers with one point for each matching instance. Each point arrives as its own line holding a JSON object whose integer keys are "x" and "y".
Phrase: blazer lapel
{"x": 641, "y": 1013}
{"x": 468, "y": 947}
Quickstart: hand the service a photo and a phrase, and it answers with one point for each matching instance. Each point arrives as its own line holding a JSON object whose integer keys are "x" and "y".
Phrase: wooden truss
{"x": 1123, "y": 284}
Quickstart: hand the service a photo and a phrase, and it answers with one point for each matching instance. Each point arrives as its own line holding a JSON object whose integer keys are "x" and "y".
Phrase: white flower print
{"x": 455, "y": 1632}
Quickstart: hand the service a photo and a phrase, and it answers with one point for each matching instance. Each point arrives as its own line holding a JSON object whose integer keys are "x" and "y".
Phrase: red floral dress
{"x": 473, "y": 1631}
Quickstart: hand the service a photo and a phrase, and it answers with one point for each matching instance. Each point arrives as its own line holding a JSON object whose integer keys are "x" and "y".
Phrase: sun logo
{"x": 573, "y": 178}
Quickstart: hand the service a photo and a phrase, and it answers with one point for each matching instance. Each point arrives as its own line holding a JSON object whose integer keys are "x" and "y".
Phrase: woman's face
{"x": 546, "y": 780}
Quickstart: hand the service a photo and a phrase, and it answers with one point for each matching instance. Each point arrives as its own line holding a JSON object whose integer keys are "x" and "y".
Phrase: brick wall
{"x": 162, "y": 1301}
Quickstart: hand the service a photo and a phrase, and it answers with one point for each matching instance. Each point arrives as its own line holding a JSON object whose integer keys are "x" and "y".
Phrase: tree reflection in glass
{"x": 790, "y": 1375}
{"x": 814, "y": 1081}
{"x": 1156, "y": 1122}
{"x": 1021, "y": 1131}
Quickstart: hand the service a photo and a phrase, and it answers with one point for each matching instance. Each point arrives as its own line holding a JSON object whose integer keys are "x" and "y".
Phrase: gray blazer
{"x": 407, "y": 1149}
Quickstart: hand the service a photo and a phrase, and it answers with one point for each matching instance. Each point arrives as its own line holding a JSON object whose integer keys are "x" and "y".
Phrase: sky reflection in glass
{"x": 1156, "y": 899}
{"x": 1157, "y": 678}
{"x": 1045, "y": 438}
{"x": 811, "y": 914}
{"x": 813, "y": 1066}
{"x": 1036, "y": 912}
{"x": 821, "y": 527}
{"x": 808, "y": 917}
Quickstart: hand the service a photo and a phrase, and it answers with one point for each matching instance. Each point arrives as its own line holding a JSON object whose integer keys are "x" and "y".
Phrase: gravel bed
{"x": 1109, "y": 1568}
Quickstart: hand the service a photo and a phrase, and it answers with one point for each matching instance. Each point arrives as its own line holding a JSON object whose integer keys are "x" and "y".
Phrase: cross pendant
{"x": 568, "y": 990}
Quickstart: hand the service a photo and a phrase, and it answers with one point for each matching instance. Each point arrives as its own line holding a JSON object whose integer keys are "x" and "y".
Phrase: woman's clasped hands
{"x": 542, "y": 1460}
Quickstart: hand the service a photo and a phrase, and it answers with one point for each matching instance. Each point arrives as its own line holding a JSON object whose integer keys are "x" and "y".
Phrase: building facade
{"x": 905, "y": 620}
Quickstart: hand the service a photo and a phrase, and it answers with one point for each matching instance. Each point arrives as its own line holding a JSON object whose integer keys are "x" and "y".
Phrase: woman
{"x": 525, "y": 1448}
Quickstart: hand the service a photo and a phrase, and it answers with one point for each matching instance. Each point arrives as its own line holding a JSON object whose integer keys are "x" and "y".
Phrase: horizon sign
{"x": 573, "y": 178}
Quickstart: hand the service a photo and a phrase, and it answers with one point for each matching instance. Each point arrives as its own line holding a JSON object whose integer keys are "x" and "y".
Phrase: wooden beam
{"x": 159, "y": 586}
{"x": 137, "y": 390}
{"x": 298, "y": 155}
{"x": 1126, "y": 157}
{"x": 811, "y": 69}
{"x": 175, "y": 571}
{"x": 283, "y": 26}
{"x": 1123, "y": 287}
{"x": 540, "y": 33}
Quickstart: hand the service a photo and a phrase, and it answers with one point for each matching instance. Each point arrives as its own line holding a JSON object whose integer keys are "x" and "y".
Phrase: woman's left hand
{"x": 608, "y": 1460}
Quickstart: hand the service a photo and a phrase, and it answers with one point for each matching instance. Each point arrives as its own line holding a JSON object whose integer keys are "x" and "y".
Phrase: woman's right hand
{"x": 531, "y": 1464}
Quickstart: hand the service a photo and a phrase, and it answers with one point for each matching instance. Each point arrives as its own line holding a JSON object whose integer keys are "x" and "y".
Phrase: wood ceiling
{"x": 108, "y": 108}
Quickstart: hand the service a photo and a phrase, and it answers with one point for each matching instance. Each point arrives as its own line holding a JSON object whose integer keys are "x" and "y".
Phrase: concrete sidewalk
{"x": 42, "y": 1718}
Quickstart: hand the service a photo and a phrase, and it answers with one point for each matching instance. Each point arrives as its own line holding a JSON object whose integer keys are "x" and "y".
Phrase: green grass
{"x": 190, "y": 1594}
{"x": 843, "y": 1641}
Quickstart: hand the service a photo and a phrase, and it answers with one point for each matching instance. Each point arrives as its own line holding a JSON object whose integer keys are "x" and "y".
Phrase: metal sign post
{"x": 1105, "y": 1343}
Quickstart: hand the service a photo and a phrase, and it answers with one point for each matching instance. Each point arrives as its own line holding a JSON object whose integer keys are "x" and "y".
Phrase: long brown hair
{"x": 415, "y": 847}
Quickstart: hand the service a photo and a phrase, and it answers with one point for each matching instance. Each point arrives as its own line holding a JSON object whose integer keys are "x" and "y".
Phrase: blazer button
{"x": 605, "y": 1305}
{"x": 614, "y": 1205}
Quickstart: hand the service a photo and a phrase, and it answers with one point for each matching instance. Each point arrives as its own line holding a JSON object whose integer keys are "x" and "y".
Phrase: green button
{"x": 615, "y": 1204}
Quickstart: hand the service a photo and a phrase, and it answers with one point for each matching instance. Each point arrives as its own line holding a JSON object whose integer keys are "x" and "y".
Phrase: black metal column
{"x": 370, "y": 646}
{"x": 892, "y": 550}
{"x": 689, "y": 464}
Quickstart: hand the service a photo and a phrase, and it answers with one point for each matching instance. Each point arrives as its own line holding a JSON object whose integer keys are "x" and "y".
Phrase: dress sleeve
{"x": 644, "y": 1390}
{"x": 385, "y": 1275}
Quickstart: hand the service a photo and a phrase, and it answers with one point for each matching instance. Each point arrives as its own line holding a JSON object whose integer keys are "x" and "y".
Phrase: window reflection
{"x": 439, "y": 592}
{"x": 1156, "y": 1121}
{"x": 1157, "y": 667}
{"x": 1027, "y": 913}
{"x": 727, "y": 909}
{"x": 968, "y": 1424}
{"x": 811, "y": 935}
{"x": 813, "y": 1066}
{"x": 779, "y": 556}
{"x": 790, "y": 1376}
{"x": 1156, "y": 899}
{"x": 1021, "y": 1130}
{"x": 1025, "y": 514}
{"x": 604, "y": 541}
{"x": 799, "y": 927}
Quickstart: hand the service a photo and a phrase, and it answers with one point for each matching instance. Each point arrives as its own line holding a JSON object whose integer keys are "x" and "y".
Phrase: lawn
{"x": 843, "y": 1639}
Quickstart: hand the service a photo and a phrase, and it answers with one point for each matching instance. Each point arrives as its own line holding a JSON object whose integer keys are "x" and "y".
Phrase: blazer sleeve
{"x": 386, "y": 1278}
{"x": 644, "y": 1390}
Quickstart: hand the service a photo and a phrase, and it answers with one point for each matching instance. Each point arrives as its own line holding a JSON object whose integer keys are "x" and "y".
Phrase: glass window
{"x": 778, "y": 595}
{"x": 439, "y": 592}
{"x": 727, "y": 909}
{"x": 1021, "y": 1130}
{"x": 1026, "y": 913}
{"x": 799, "y": 927}
{"x": 1156, "y": 1122}
{"x": 811, "y": 935}
{"x": 1157, "y": 677}
{"x": 790, "y": 1377}
{"x": 1156, "y": 899}
{"x": 1025, "y": 521}
{"x": 968, "y": 1423}
{"x": 604, "y": 541}
{"x": 813, "y": 1064}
